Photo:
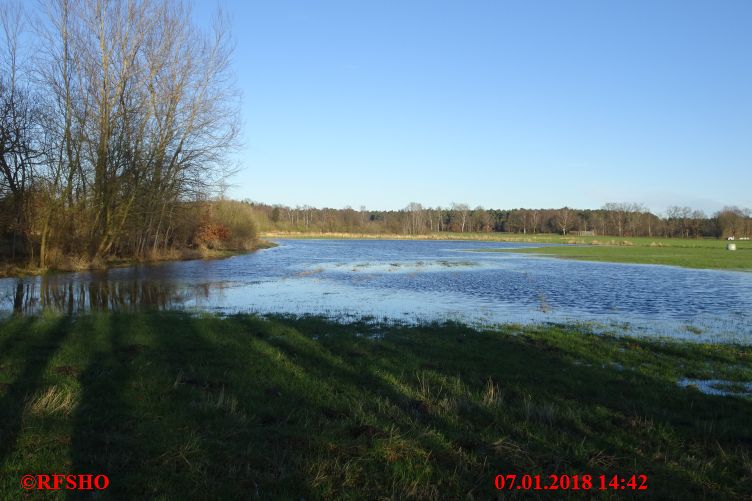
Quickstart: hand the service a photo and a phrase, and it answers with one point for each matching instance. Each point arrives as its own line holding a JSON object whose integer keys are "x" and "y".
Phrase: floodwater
{"x": 415, "y": 281}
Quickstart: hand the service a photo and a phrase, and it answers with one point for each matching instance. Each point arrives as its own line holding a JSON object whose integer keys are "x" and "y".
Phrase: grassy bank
{"x": 179, "y": 406}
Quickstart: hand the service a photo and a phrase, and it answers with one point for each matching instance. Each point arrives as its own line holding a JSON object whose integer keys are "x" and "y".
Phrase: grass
{"x": 705, "y": 254}
{"x": 171, "y": 405}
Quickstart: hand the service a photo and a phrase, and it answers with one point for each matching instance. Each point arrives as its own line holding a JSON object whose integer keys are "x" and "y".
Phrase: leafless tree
{"x": 564, "y": 219}
{"x": 617, "y": 213}
{"x": 460, "y": 213}
{"x": 18, "y": 130}
{"x": 415, "y": 218}
{"x": 142, "y": 115}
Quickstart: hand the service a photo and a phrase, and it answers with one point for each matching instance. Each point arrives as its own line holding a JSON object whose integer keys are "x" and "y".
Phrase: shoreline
{"x": 448, "y": 236}
{"x": 13, "y": 271}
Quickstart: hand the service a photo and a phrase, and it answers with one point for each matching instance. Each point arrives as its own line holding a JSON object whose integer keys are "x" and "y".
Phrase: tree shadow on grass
{"x": 627, "y": 418}
{"x": 161, "y": 413}
{"x": 228, "y": 428}
{"x": 209, "y": 407}
{"x": 12, "y": 331}
{"x": 181, "y": 406}
{"x": 32, "y": 350}
{"x": 105, "y": 426}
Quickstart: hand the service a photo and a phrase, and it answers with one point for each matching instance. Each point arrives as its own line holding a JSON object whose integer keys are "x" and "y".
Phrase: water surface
{"x": 415, "y": 281}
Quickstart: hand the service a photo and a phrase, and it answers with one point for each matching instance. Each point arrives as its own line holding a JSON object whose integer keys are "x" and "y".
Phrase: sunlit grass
{"x": 705, "y": 256}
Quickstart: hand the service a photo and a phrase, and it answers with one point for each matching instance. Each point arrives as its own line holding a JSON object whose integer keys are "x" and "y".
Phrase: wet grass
{"x": 171, "y": 405}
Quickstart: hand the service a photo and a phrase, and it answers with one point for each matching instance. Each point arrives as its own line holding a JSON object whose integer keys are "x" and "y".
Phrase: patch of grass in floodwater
{"x": 174, "y": 405}
{"x": 456, "y": 264}
{"x": 308, "y": 273}
{"x": 405, "y": 266}
{"x": 694, "y": 329}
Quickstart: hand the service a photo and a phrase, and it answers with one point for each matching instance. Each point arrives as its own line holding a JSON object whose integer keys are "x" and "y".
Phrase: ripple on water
{"x": 426, "y": 280}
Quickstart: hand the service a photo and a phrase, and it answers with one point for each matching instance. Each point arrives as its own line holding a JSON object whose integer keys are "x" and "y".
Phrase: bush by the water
{"x": 226, "y": 225}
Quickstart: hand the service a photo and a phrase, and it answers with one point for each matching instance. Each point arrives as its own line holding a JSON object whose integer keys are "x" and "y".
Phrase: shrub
{"x": 226, "y": 224}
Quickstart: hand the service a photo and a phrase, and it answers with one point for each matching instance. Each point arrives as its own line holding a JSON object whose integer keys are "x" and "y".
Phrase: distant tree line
{"x": 616, "y": 219}
{"x": 116, "y": 119}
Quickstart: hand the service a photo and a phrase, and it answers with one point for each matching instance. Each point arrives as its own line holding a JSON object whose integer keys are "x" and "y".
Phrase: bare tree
{"x": 415, "y": 222}
{"x": 564, "y": 219}
{"x": 18, "y": 131}
{"x": 481, "y": 219}
{"x": 460, "y": 213}
{"x": 732, "y": 222}
{"x": 143, "y": 113}
{"x": 617, "y": 213}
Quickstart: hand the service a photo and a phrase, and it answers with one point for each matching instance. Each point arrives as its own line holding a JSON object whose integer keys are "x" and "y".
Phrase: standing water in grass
{"x": 415, "y": 281}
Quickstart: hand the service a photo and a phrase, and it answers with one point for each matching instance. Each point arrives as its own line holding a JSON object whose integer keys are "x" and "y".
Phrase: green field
{"x": 707, "y": 254}
{"x": 179, "y": 406}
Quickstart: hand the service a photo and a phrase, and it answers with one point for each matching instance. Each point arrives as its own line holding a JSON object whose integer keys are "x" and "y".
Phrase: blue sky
{"x": 494, "y": 103}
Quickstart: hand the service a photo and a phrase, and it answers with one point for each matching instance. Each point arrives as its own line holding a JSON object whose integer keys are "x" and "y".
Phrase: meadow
{"x": 176, "y": 405}
{"x": 703, "y": 254}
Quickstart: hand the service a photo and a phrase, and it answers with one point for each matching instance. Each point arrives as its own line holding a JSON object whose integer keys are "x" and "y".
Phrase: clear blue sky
{"x": 494, "y": 103}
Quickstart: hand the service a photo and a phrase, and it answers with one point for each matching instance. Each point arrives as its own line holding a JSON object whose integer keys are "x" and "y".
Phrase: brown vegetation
{"x": 114, "y": 133}
{"x": 621, "y": 220}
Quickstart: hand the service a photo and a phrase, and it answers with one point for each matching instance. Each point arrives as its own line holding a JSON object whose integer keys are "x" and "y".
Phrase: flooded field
{"x": 415, "y": 281}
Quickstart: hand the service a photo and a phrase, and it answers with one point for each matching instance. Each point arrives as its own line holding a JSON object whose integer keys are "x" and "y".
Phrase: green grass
{"x": 706, "y": 254}
{"x": 174, "y": 406}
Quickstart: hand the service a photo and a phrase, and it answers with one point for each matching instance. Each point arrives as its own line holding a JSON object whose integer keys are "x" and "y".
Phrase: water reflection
{"x": 34, "y": 296}
{"x": 19, "y": 306}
